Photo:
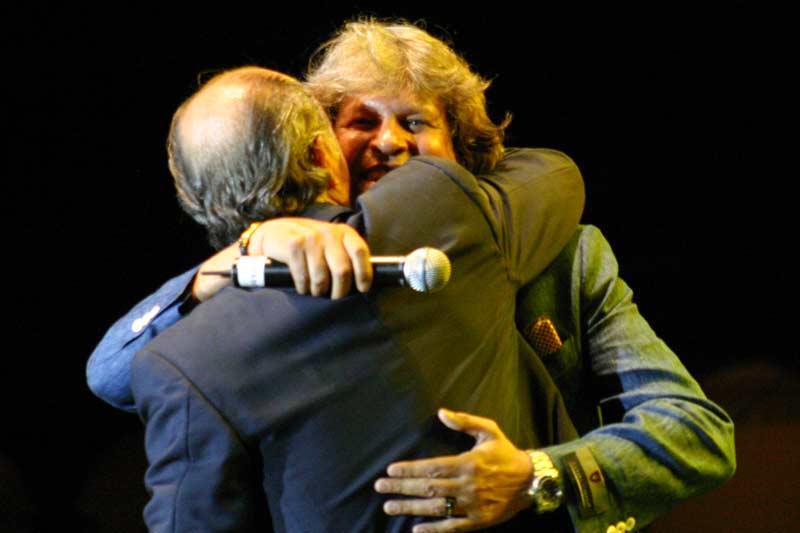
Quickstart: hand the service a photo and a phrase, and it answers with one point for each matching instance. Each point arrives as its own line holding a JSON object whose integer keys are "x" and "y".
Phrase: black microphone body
{"x": 387, "y": 274}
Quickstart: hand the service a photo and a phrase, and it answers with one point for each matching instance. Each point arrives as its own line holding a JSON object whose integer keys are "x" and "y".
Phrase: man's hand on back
{"x": 487, "y": 484}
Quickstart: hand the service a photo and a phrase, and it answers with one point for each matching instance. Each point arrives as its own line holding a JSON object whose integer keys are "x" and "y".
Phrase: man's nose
{"x": 393, "y": 139}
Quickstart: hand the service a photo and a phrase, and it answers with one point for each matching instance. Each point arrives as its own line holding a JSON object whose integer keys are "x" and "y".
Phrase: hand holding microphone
{"x": 424, "y": 270}
{"x": 325, "y": 259}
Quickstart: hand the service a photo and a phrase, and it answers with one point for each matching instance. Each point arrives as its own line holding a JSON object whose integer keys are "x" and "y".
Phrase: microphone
{"x": 424, "y": 270}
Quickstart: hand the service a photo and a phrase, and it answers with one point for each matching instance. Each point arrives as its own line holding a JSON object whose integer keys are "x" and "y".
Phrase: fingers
{"x": 435, "y": 468}
{"x": 477, "y": 426}
{"x": 297, "y": 261}
{"x": 453, "y": 524}
{"x": 431, "y": 507}
{"x": 428, "y": 507}
{"x": 341, "y": 271}
{"x": 424, "y": 488}
{"x": 347, "y": 256}
{"x": 322, "y": 257}
{"x": 336, "y": 255}
{"x": 358, "y": 251}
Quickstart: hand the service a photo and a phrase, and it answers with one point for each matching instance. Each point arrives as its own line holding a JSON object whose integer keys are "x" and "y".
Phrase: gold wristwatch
{"x": 546, "y": 488}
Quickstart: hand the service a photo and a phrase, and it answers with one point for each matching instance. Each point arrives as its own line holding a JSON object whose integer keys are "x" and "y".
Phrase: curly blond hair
{"x": 371, "y": 56}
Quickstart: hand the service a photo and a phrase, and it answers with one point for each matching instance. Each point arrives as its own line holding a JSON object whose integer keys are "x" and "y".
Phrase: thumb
{"x": 482, "y": 429}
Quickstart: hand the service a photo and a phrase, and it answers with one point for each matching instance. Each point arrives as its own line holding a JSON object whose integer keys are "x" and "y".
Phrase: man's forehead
{"x": 401, "y": 102}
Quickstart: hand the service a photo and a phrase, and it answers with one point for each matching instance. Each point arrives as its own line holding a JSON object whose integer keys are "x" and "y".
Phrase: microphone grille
{"x": 427, "y": 269}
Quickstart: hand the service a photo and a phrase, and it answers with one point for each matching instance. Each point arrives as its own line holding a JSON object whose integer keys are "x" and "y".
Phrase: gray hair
{"x": 369, "y": 56}
{"x": 257, "y": 162}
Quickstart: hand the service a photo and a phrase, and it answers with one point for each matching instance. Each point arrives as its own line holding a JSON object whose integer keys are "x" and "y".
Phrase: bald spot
{"x": 213, "y": 117}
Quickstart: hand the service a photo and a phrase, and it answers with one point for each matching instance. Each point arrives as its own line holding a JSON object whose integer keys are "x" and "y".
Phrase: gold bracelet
{"x": 244, "y": 238}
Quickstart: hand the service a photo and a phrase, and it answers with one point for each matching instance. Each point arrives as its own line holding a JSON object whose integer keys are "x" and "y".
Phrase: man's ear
{"x": 330, "y": 158}
{"x": 319, "y": 154}
{"x": 322, "y": 156}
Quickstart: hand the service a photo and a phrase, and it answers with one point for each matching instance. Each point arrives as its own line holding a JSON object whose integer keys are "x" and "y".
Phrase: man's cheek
{"x": 350, "y": 143}
{"x": 437, "y": 147}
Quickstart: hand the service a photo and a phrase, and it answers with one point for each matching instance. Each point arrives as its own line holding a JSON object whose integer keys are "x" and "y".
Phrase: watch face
{"x": 551, "y": 491}
{"x": 548, "y": 496}
{"x": 545, "y": 489}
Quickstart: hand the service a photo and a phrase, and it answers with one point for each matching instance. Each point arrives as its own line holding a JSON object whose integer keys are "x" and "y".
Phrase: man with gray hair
{"x": 248, "y": 148}
{"x": 258, "y": 159}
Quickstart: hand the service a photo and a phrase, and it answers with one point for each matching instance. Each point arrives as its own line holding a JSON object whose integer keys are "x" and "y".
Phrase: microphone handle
{"x": 384, "y": 274}
{"x": 388, "y": 275}
{"x": 276, "y": 274}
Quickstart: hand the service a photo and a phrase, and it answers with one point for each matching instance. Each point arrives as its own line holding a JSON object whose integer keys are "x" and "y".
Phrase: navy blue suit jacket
{"x": 269, "y": 399}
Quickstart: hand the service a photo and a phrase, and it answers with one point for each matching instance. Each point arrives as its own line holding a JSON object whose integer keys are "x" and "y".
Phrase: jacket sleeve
{"x": 536, "y": 198}
{"x": 662, "y": 440}
{"x": 200, "y": 476}
{"x": 108, "y": 368}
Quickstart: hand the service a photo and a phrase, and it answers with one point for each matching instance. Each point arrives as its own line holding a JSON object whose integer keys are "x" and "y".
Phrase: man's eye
{"x": 416, "y": 123}
{"x": 363, "y": 123}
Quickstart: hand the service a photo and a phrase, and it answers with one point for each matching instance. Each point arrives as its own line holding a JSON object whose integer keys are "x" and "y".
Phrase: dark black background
{"x": 673, "y": 112}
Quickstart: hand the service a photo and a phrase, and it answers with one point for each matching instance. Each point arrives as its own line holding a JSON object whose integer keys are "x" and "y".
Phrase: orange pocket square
{"x": 543, "y": 336}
